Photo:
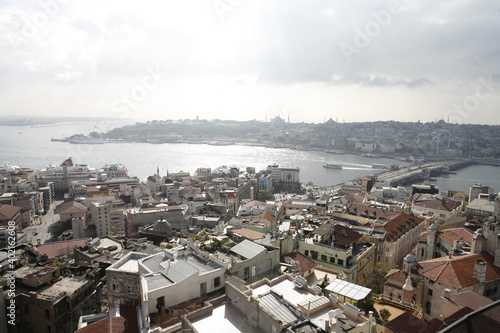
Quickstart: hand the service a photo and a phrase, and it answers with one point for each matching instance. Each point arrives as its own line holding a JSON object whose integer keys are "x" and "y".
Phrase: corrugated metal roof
{"x": 156, "y": 281}
{"x": 347, "y": 289}
{"x": 248, "y": 249}
{"x": 179, "y": 271}
{"x": 316, "y": 301}
{"x": 275, "y": 306}
{"x": 153, "y": 262}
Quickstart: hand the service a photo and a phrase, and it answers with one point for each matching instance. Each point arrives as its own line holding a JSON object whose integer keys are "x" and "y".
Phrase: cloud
{"x": 266, "y": 50}
{"x": 377, "y": 81}
{"x": 67, "y": 77}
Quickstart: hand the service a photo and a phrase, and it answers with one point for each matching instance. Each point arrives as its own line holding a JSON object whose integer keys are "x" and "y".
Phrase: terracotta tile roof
{"x": 484, "y": 320}
{"x": 406, "y": 320}
{"x": 344, "y": 235}
{"x": 7, "y": 212}
{"x": 396, "y": 275}
{"x": 458, "y": 271}
{"x": 106, "y": 325}
{"x": 126, "y": 323}
{"x": 456, "y": 221}
{"x": 446, "y": 205}
{"x": 470, "y": 299}
{"x": 400, "y": 225}
{"x": 268, "y": 216}
{"x": 456, "y": 316}
{"x": 305, "y": 263}
{"x": 72, "y": 207}
{"x": 247, "y": 233}
{"x": 362, "y": 210}
{"x": 450, "y": 235}
{"x": 61, "y": 248}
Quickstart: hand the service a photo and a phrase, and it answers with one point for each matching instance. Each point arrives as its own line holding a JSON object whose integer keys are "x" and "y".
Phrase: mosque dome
{"x": 410, "y": 258}
{"x": 162, "y": 226}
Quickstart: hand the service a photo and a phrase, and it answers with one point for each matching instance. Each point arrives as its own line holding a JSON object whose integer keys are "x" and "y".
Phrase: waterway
{"x": 32, "y": 147}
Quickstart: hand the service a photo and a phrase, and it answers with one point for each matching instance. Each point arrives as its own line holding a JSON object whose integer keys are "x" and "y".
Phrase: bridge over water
{"x": 413, "y": 173}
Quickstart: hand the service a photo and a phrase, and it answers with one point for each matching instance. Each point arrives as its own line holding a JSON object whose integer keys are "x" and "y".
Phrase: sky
{"x": 305, "y": 61}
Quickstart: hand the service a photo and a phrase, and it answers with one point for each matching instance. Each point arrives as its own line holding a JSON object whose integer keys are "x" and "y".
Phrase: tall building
{"x": 108, "y": 217}
{"x": 284, "y": 177}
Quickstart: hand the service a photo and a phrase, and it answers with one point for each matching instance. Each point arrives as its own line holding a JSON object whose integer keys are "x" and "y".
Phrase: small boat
{"x": 394, "y": 167}
{"x": 333, "y": 166}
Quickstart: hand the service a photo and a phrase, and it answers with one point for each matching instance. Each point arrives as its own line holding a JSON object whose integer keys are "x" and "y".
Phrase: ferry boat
{"x": 73, "y": 170}
{"x": 333, "y": 166}
{"x": 379, "y": 166}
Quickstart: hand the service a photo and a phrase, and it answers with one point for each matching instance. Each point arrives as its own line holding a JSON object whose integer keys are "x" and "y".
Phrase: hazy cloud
{"x": 263, "y": 54}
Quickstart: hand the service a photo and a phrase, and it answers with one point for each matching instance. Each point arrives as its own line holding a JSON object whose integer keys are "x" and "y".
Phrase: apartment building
{"x": 341, "y": 248}
{"x": 108, "y": 217}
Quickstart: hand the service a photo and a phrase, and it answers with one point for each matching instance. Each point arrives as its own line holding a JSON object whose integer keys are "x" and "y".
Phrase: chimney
{"x": 447, "y": 293}
{"x": 479, "y": 270}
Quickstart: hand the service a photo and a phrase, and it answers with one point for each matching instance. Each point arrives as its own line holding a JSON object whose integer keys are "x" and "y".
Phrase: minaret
{"x": 157, "y": 172}
{"x": 407, "y": 292}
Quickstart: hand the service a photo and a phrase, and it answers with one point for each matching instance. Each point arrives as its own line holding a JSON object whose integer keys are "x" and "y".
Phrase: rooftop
{"x": 348, "y": 289}
{"x": 458, "y": 271}
{"x": 224, "y": 318}
{"x": 248, "y": 249}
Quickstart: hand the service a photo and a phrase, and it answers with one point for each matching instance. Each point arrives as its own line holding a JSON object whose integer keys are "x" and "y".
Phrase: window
{"x": 306, "y": 253}
{"x": 429, "y": 292}
{"x": 428, "y": 308}
{"x": 115, "y": 287}
{"x": 130, "y": 289}
{"x": 332, "y": 260}
{"x": 47, "y": 314}
{"x": 216, "y": 282}
{"x": 314, "y": 255}
{"x": 340, "y": 262}
{"x": 324, "y": 257}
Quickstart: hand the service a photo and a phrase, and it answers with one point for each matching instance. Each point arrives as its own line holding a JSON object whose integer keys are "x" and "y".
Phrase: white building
{"x": 108, "y": 218}
{"x": 386, "y": 193}
{"x": 287, "y": 177}
{"x": 115, "y": 171}
{"x": 178, "y": 275}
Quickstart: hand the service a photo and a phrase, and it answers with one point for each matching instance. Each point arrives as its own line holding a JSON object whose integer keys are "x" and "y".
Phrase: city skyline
{"x": 242, "y": 60}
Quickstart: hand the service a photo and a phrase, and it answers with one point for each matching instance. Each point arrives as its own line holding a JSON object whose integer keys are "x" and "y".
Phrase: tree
{"x": 379, "y": 273}
{"x": 264, "y": 196}
{"x": 385, "y": 314}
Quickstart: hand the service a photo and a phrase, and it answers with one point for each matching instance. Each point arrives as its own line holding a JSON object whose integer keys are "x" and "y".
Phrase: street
{"x": 39, "y": 230}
